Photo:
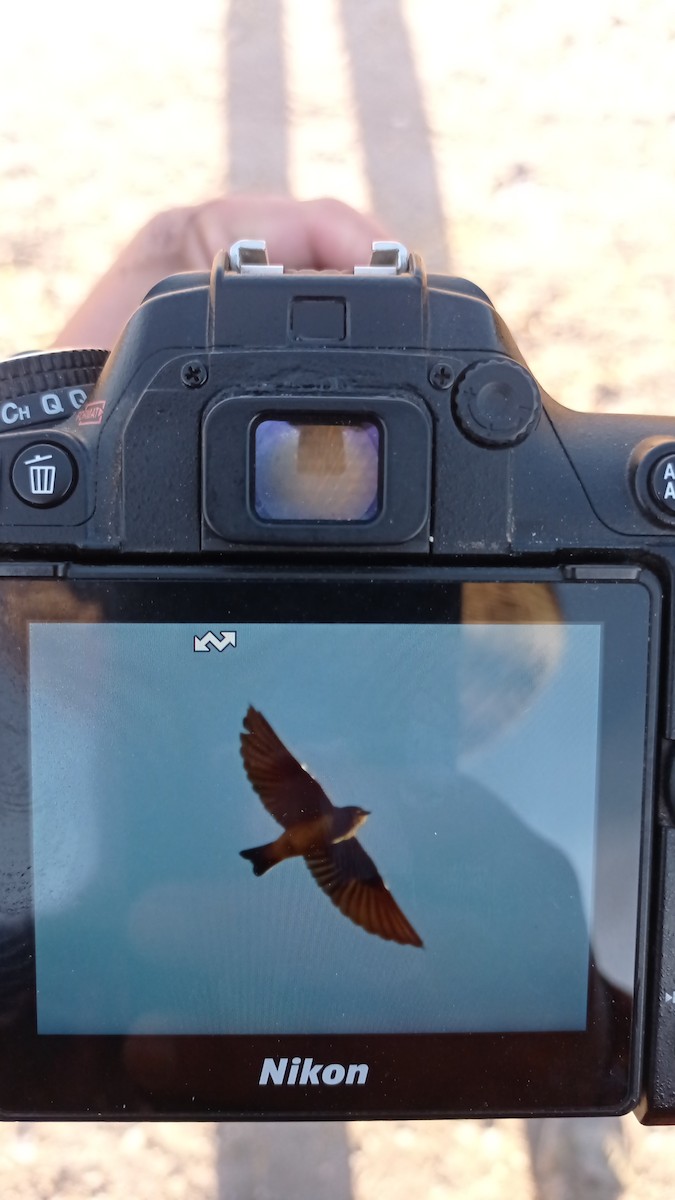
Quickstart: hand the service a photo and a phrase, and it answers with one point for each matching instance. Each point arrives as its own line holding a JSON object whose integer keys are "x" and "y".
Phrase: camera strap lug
{"x": 249, "y": 257}
{"x": 387, "y": 258}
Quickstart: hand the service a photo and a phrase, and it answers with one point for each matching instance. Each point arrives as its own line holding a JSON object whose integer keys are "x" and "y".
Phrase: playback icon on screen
{"x": 212, "y": 640}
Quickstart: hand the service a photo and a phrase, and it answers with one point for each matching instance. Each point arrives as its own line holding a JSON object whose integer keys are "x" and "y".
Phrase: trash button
{"x": 43, "y": 474}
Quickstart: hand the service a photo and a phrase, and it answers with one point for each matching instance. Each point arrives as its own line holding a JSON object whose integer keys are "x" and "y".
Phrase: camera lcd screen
{"x": 147, "y": 917}
{"x": 246, "y": 828}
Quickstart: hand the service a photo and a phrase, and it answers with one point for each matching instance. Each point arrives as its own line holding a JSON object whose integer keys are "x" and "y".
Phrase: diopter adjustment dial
{"x": 47, "y": 386}
{"x": 496, "y": 403}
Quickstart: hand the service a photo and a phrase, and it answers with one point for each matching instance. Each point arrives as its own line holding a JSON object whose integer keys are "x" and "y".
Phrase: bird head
{"x": 347, "y": 820}
{"x": 360, "y": 815}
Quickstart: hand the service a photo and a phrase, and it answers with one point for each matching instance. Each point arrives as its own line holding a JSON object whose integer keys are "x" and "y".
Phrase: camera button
{"x": 43, "y": 474}
{"x": 662, "y": 483}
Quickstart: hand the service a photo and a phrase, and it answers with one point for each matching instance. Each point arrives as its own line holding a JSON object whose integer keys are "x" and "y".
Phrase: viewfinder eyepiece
{"x": 298, "y": 470}
{"x": 306, "y": 470}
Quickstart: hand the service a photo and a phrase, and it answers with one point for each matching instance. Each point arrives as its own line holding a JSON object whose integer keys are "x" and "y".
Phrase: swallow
{"x": 318, "y": 831}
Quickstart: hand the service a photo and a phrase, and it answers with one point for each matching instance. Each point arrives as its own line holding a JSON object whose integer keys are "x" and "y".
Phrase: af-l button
{"x": 662, "y": 483}
{"x": 43, "y": 474}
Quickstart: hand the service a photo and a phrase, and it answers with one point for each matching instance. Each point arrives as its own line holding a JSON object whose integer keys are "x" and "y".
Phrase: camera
{"x": 338, "y": 710}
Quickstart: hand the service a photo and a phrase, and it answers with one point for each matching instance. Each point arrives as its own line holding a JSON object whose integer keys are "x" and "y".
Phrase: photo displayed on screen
{"x": 321, "y": 828}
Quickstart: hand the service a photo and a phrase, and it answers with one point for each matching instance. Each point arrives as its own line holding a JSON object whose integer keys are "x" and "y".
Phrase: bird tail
{"x": 262, "y": 857}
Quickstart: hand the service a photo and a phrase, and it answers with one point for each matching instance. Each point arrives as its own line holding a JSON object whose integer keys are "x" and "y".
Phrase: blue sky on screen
{"x": 147, "y": 918}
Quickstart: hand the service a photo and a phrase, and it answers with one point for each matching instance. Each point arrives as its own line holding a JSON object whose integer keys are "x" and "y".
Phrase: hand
{"x": 299, "y": 233}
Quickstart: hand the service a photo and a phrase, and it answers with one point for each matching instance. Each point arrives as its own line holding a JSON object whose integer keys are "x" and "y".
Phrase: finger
{"x": 338, "y": 235}
{"x": 315, "y": 234}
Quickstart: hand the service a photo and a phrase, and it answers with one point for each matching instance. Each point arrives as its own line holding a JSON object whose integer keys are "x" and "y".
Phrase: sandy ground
{"x": 529, "y": 148}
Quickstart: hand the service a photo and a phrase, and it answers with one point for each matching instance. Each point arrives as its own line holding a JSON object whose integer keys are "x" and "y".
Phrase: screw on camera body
{"x": 441, "y": 376}
{"x": 194, "y": 374}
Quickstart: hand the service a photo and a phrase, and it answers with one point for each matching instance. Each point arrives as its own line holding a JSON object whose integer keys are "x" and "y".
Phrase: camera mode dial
{"x": 47, "y": 386}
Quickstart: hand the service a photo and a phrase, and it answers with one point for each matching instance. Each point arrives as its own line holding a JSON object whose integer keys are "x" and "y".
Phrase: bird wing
{"x": 287, "y": 790}
{"x": 352, "y": 881}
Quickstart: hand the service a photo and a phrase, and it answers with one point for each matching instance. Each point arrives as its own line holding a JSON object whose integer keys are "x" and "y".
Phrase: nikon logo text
{"x": 304, "y": 1071}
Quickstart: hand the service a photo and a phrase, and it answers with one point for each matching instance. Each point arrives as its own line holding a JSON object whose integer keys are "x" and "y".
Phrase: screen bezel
{"x": 409, "y": 1074}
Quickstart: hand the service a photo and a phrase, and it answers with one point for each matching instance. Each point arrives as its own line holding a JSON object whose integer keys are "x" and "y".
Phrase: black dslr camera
{"x": 338, "y": 711}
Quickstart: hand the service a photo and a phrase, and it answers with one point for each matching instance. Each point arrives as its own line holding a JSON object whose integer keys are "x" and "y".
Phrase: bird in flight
{"x": 320, "y": 832}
